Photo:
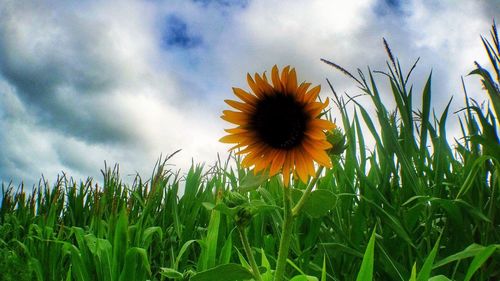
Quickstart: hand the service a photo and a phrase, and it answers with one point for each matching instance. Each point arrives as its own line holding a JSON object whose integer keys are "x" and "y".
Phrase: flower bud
{"x": 233, "y": 199}
{"x": 337, "y": 139}
{"x": 243, "y": 216}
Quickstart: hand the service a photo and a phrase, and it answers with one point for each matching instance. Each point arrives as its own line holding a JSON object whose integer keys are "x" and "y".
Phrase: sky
{"x": 84, "y": 82}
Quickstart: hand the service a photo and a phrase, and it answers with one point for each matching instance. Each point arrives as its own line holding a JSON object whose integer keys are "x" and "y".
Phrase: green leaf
{"x": 259, "y": 207}
{"x": 439, "y": 278}
{"x": 170, "y": 273}
{"x": 226, "y": 250}
{"x": 304, "y": 278}
{"x": 209, "y": 250}
{"x": 79, "y": 269}
{"x": 225, "y": 272}
{"x": 252, "y": 181}
{"x": 319, "y": 203}
{"x": 425, "y": 272}
{"x": 120, "y": 243}
{"x": 223, "y": 208}
{"x": 147, "y": 236}
{"x": 136, "y": 265}
{"x": 393, "y": 222}
{"x": 323, "y": 270}
{"x": 182, "y": 251}
{"x": 366, "y": 271}
{"x": 470, "y": 251}
{"x": 413, "y": 276}
{"x": 104, "y": 254}
{"x": 208, "y": 205}
{"x": 343, "y": 248}
{"x": 478, "y": 261}
{"x": 268, "y": 276}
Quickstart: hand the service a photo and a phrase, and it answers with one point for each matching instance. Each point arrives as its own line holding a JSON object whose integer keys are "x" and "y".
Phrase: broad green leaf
{"x": 223, "y": 208}
{"x": 319, "y": 203}
{"x": 208, "y": 205}
{"x": 268, "y": 275}
{"x": 208, "y": 254}
{"x": 80, "y": 272}
{"x": 104, "y": 255}
{"x": 136, "y": 265}
{"x": 252, "y": 181}
{"x": 120, "y": 243}
{"x": 147, "y": 236}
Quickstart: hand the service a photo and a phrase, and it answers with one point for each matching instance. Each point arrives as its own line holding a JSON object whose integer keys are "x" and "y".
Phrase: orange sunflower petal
{"x": 275, "y": 76}
{"x": 253, "y": 86}
{"x": 284, "y": 76}
{"x": 309, "y": 163}
{"x": 235, "y": 117}
{"x": 245, "y": 96}
{"x": 291, "y": 84}
{"x": 315, "y": 133}
{"x": 264, "y": 77}
{"x": 240, "y": 105}
{"x": 263, "y": 85}
{"x": 301, "y": 91}
{"x": 267, "y": 158}
{"x": 236, "y": 130}
{"x": 230, "y": 139}
{"x": 318, "y": 155}
{"x": 287, "y": 168}
{"x": 301, "y": 165}
{"x": 255, "y": 147}
{"x": 239, "y": 145}
{"x": 322, "y": 124}
{"x": 277, "y": 164}
{"x": 315, "y": 108}
{"x": 313, "y": 94}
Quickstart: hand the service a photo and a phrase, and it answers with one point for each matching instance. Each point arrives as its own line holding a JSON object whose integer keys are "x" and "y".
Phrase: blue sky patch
{"x": 176, "y": 33}
{"x": 384, "y": 7}
{"x": 224, "y": 3}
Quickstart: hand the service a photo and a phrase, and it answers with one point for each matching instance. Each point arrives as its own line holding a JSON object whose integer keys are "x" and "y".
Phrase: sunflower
{"x": 279, "y": 126}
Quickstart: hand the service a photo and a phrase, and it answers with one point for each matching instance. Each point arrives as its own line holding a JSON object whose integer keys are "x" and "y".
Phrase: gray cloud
{"x": 58, "y": 63}
{"x": 81, "y": 83}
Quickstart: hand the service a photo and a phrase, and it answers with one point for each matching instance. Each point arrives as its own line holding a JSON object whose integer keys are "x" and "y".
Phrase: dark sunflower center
{"x": 280, "y": 121}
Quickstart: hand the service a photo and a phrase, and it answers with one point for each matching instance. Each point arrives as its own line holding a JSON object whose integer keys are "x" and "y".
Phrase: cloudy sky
{"x": 83, "y": 82}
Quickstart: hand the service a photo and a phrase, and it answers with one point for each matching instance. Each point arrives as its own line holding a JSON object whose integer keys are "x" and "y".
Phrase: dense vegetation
{"x": 433, "y": 207}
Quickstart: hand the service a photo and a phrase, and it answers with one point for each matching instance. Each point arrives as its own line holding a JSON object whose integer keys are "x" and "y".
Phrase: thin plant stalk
{"x": 286, "y": 235}
{"x": 248, "y": 251}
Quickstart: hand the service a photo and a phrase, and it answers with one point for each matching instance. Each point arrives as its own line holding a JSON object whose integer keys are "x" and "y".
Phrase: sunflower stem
{"x": 286, "y": 235}
{"x": 248, "y": 251}
{"x": 296, "y": 210}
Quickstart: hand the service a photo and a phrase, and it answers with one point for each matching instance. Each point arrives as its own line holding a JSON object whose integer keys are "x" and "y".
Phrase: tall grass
{"x": 414, "y": 207}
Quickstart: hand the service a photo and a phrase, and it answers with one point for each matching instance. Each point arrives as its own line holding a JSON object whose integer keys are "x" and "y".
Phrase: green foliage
{"x": 435, "y": 205}
{"x": 366, "y": 270}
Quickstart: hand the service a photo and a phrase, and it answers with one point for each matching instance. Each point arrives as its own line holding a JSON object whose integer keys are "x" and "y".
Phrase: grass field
{"x": 413, "y": 207}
